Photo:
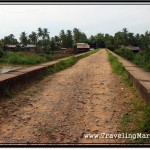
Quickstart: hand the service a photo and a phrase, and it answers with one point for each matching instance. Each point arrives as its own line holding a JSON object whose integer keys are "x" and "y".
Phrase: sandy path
{"x": 85, "y": 98}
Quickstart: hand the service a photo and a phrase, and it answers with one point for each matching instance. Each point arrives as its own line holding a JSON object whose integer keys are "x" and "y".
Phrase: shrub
{"x": 22, "y": 58}
{"x": 1, "y": 52}
{"x": 128, "y": 54}
{"x": 145, "y": 123}
{"x": 142, "y": 58}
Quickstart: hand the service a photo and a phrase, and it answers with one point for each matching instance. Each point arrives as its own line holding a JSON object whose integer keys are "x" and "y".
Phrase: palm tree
{"x": 23, "y": 38}
{"x": 125, "y": 32}
{"x": 10, "y": 39}
{"x": 57, "y": 39}
{"x": 62, "y": 36}
{"x": 33, "y": 37}
{"x": 118, "y": 39}
{"x": 40, "y": 32}
{"x": 69, "y": 40}
{"x": 131, "y": 39}
{"x": 92, "y": 41}
{"x": 45, "y": 34}
{"x": 76, "y": 35}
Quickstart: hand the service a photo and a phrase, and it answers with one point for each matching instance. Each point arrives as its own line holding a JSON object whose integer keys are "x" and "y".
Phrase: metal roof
{"x": 30, "y": 46}
{"x": 11, "y": 46}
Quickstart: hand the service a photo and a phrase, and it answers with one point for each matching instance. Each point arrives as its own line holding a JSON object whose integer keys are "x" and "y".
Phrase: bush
{"x": 112, "y": 47}
{"x": 145, "y": 123}
{"x": 1, "y": 52}
{"x": 22, "y": 58}
{"x": 118, "y": 68}
{"x": 48, "y": 57}
{"x": 128, "y": 54}
{"x": 142, "y": 58}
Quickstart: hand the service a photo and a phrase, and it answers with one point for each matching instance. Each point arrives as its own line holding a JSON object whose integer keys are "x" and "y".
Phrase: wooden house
{"x": 30, "y": 47}
{"x": 9, "y": 47}
{"x": 132, "y": 48}
{"x": 82, "y": 47}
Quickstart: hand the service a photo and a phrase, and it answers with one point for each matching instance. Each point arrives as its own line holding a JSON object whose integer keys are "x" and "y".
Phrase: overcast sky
{"x": 90, "y": 19}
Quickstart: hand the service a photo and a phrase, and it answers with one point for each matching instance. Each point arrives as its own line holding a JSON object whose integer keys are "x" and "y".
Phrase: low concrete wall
{"x": 15, "y": 79}
{"x": 139, "y": 77}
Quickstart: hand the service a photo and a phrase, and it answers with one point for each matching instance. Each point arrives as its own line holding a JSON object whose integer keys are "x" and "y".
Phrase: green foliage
{"x": 1, "y": 52}
{"x": 139, "y": 113}
{"x": 27, "y": 58}
{"x": 142, "y": 58}
{"x": 62, "y": 65}
{"x": 138, "y": 118}
{"x": 22, "y": 58}
{"x": 118, "y": 68}
{"x": 66, "y": 38}
{"x": 78, "y": 36}
{"x": 116, "y": 65}
{"x": 33, "y": 37}
{"x": 145, "y": 121}
{"x": 24, "y": 38}
{"x": 128, "y": 54}
{"x": 10, "y": 39}
{"x": 69, "y": 62}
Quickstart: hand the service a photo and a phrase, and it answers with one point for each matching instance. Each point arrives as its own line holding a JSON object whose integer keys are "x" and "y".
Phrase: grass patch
{"x": 29, "y": 58}
{"x": 69, "y": 62}
{"x": 136, "y": 118}
{"x": 22, "y": 58}
{"x": 62, "y": 65}
{"x": 118, "y": 68}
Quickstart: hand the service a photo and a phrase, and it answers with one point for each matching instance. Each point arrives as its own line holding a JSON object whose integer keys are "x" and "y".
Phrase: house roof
{"x": 83, "y": 45}
{"x": 30, "y": 46}
{"x": 133, "y": 48}
{"x": 130, "y": 47}
{"x": 11, "y": 46}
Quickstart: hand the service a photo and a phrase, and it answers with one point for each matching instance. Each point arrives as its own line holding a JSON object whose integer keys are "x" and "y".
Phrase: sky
{"x": 90, "y": 19}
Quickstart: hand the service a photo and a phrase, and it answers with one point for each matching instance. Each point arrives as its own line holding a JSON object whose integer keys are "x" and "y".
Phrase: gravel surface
{"x": 86, "y": 98}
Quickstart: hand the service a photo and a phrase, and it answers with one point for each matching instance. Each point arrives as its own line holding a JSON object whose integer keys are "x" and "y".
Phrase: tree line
{"x": 41, "y": 38}
{"x": 68, "y": 39}
{"x": 120, "y": 38}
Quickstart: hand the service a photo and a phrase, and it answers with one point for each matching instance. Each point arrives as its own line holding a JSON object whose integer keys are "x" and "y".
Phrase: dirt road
{"x": 86, "y": 98}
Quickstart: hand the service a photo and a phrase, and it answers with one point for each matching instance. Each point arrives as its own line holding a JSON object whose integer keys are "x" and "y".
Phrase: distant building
{"x": 30, "y": 47}
{"x": 82, "y": 47}
{"x": 63, "y": 49}
{"x": 9, "y": 47}
{"x": 133, "y": 48}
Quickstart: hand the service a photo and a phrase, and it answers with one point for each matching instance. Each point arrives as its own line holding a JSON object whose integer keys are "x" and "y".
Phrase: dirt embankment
{"x": 85, "y": 98}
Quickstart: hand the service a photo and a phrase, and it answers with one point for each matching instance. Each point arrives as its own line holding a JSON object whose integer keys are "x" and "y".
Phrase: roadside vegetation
{"x": 63, "y": 64}
{"x": 141, "y": 59}
{"x": 30, "y": 58}
{"x": 69, "y": 38}
{"x": 136, "y": 118}
{"x": 23, "y": 58}
{"x": 46, "y": 48}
